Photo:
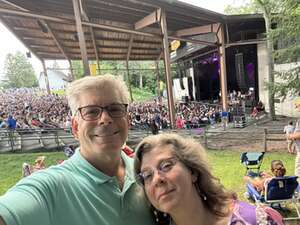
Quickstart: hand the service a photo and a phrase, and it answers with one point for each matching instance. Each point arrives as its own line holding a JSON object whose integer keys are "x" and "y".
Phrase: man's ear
{"x": 75, "y": 127}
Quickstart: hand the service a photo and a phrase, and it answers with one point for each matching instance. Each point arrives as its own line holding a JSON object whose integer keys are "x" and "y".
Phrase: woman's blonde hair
{"x": 191, "y": 153}
{"x": 96, "y": 83}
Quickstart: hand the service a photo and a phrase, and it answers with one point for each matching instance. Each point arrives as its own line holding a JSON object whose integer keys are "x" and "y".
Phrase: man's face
{"x": 104, "y": 136}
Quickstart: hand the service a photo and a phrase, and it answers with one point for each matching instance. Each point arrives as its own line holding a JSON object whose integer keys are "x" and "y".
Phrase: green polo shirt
{"x": 75, "y": 193}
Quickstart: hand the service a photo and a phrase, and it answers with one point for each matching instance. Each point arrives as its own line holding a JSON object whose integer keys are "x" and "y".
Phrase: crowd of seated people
{"x": 33, "y": 108}
{"x": 188, "y": 115}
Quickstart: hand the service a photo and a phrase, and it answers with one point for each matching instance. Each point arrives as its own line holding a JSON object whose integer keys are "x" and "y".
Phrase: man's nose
{"x": 105, "y": 118}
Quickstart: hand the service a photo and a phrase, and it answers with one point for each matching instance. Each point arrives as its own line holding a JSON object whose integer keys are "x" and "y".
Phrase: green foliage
{"x": 145, "y": 70}
{"x": 225, "y": 166}
{"x": 60, "y": 92}
{"x": 18, "y": 72}
{"x": 77, "y": 67}
{"x": 286, "y": 15}
{"x": 142, "y": 95}
{"x": 249, "y": 7}
{"x": 289, "y": 83}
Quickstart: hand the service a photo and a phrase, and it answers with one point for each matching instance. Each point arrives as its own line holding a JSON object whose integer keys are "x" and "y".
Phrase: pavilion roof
{"x": 48, "y": 28}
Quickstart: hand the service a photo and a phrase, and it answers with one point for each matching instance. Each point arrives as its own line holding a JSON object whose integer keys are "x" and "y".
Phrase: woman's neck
{"x": 197, "y": 214}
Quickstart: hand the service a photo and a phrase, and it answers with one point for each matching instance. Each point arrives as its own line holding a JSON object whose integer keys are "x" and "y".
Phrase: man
{"x": 96, "y": 185}
{"x": 296, "y": 138}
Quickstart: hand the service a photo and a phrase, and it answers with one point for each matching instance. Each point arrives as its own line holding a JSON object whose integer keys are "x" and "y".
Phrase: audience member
{"x": 289, "y": 129}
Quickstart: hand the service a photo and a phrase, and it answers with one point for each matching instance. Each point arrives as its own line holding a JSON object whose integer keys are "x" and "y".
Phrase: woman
{"x": 176, "y": 177}
{"x": 260, "y": 182}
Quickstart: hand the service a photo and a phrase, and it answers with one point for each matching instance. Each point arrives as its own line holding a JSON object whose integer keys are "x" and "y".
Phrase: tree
{"x": 18, "y": 72}
{"x": 286, "y": 37}
{"x": 268, "y": 7}
{"x": 286, "y": 15}
{"x": 249, "y": 7}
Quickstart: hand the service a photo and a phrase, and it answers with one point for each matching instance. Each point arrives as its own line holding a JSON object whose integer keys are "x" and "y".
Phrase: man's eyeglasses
{"x": 94, "y": 112}
{"x": 146, "y": 177}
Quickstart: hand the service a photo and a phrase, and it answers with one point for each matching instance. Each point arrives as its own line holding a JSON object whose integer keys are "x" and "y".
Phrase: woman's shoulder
{"x": 247, "y": 214}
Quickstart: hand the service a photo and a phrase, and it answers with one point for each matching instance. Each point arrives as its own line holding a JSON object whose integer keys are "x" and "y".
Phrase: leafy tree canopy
{"x": 18, "y": 72}
{"x": 286, "y": 15}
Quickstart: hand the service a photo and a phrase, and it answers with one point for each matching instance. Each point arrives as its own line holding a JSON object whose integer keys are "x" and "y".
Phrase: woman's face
{"x": 168, "y": 182}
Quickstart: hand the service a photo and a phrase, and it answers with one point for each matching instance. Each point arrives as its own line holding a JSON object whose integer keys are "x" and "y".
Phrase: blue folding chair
{"x": 252, "y": 160}
{"x": 278, "y": 191}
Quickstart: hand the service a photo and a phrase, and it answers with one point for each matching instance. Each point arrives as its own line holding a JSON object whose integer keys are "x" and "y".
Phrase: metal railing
{"x": 13, "y": 140}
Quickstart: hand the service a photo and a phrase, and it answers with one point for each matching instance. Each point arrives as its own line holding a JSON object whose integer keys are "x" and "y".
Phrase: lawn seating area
{"x": 225, "y": 165}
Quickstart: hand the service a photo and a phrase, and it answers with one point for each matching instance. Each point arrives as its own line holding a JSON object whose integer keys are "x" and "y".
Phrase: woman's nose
{"x": 158, "y": 178}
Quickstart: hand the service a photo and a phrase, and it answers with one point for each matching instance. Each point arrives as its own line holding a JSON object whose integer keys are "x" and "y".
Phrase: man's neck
{"x": 112, "y": 165}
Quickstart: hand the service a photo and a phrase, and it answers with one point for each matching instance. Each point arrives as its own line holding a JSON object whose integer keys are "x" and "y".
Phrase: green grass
{"x": 60, "y": 92}
{"x": 141, "y": 95}
{"x": 11, "y": 166}
{"x": 225, "y": 164}
{"x": 227, "y": 167}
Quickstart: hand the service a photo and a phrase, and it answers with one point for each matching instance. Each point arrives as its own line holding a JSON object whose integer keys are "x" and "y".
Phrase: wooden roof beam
{"x": 212, "y": 28}
{"x": 160, "y": 56}
{"x": 41, "y": 46}
{"x": 101, "y": 26}
{"x": 34, "y": 15}
{"x": 129, "y": 48}
{"x": 22, "y": 41}
{"x": 148, "y": 20}
{"x": 60, "y": 47}
{"x": 91, "y": 29}
{"x": 12, "y": 4}
{"x": 82, "y": 43}
{"x": 49, "y": 30}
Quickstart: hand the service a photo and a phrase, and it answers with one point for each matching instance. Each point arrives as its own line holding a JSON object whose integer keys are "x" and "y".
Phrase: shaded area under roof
{"x": 58, "y": 39}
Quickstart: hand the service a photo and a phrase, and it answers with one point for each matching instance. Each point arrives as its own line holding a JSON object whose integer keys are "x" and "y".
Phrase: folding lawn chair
{"x": 278, "y": 191}
{"x": 252, "y": 160}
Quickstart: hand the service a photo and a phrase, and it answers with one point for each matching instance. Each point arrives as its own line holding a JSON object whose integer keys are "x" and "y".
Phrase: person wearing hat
{"x": 296, "y": 138}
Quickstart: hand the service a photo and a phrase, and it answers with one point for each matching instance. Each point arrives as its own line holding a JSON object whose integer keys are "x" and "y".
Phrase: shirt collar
{"x": 83, "y": 166}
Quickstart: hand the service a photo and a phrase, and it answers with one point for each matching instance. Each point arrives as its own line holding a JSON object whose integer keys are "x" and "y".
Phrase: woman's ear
{"x": 194, "y": 176}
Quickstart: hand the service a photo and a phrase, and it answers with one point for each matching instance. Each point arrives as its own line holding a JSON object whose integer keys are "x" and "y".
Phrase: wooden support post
{"x": 128, "y": 81}
{"x": 265, "y": 139}
{"x": 157, "y": 78}
{"x": 223, "y": 78}
{"x": 127, "y": 66}
{"x": 167, "y": 62}
{"x": 205, "y": 138}
{"x": 99, "y": 69}
{"x": 81, "y": 38}
{"x": 71, "y": 70}
{"x": 46, "y": 77}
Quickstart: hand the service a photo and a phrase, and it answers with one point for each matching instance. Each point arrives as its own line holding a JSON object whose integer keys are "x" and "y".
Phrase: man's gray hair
{"x": 96, "y": 83}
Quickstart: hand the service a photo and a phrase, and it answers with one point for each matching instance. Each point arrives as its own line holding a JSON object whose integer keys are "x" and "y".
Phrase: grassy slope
{"x": 11, "y": 166}
{"x": 139, "y": 95}
{"x": 225, "y": 165}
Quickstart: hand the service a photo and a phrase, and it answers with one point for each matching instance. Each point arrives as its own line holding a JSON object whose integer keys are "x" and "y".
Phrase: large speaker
{"x": 240, "y": 72}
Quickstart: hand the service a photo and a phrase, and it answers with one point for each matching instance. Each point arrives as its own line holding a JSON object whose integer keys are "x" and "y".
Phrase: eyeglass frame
{"x": 102, "y": 108}
{"x": 141, "y": 178}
